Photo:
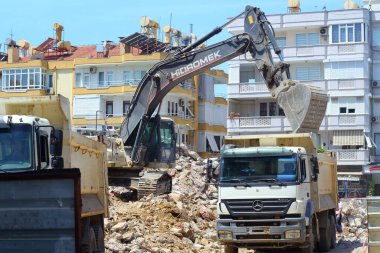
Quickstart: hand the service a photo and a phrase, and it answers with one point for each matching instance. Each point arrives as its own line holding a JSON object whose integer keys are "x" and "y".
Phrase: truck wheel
{"x": 230, "y": 249}
{"x": 99, "y": 235}
{"x": 92, "y": 245}
{"x": 324, "y": 244}
{"x": 332, "y": 231}
{"x": 310, "y": 247}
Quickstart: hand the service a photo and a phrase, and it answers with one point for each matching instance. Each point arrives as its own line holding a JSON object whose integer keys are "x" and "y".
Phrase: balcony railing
{"x": 336, "y": 85}
{"x": 107, "y": 84}
{"x": 258, "y": 124}
{"x": 346, "y": 121}
{"x": 352, "y": 156}
{"x": 187, "y": 86}
{"x": 182, "y": 115}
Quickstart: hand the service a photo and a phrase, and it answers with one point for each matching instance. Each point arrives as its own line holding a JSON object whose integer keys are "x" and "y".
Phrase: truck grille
{"x": 258, "y": 207}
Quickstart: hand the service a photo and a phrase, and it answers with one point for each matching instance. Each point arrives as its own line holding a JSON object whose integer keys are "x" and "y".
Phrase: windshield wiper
{"x": 4, "y": 171}
{"x": 239, "y": 181}
{"x": 269, "y": 180}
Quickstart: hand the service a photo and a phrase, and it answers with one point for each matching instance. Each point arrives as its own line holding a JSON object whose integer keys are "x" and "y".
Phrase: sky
{"x": 88, "y": 22}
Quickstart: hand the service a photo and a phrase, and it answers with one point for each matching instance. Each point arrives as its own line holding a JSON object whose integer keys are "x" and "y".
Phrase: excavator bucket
{"x": 304, "y": 107}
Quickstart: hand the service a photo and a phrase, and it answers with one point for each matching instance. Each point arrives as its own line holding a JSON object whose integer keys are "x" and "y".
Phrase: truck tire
{"x": 230, "y": 249}
{"x": 312, "y": 233}
{"x": 332, "y": 231}
{"x": 99, "y": 235}
{"x": 92, "y": 245}
{"x": 324, "y": 243}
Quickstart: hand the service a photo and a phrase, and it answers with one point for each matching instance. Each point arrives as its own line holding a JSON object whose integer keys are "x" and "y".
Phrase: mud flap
{"x": 304, "y": 107}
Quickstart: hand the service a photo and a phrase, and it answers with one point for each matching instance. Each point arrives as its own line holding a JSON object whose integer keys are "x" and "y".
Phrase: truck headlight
{"x": 225, "y": 235}
{"x": 292, "y": 234}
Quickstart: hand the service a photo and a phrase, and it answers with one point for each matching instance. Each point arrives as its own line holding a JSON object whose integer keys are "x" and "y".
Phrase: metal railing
{"x": 107, "y": 84}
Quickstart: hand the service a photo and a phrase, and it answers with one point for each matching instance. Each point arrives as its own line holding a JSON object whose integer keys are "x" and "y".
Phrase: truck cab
{"x": 24, "y": 143}
{"x": 271, "y": 193}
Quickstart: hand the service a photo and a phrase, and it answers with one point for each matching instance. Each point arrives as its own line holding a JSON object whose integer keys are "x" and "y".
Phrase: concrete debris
{"x": 354, "y": 224}
{"x": 182, "y": 221}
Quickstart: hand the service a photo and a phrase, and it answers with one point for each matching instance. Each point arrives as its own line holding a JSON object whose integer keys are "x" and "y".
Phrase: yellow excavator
{"x": 148, "y": 140}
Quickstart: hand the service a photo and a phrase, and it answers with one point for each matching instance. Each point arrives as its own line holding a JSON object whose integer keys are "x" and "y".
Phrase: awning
{"x": 370, "y": 142}
{"x": 349, "y": 178}
{"x": 212, "y": 142}
{"x": 348, "y": 137}
{"x": 371, "y": 169}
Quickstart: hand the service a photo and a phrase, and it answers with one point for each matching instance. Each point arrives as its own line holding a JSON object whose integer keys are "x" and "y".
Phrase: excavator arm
{"x": 303, "y": 106}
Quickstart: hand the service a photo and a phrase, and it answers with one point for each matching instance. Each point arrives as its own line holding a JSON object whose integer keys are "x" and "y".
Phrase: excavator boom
{"x": 304, "y": 106}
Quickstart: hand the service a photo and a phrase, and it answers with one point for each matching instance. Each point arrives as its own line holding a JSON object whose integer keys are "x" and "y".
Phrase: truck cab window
{"x": 16, "y": 147}
{"x": 44, "y": 154}
{"x": 303, "y": 169}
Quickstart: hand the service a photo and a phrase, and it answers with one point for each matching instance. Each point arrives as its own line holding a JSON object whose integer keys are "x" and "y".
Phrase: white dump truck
{"x": 53, "y": 182}
{"x": 276, "y": 191}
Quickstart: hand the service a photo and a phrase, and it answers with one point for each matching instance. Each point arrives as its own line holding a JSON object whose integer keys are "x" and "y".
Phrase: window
{"x": 217, "y": 140}
{"x": 109, "y": 77}
{"x": 263, "y": 109}
{"x": 377, "y": 142}
{"x": 344, "y": 70}
{"x": 281, "y": 42}
{"x": 109, "y": 108}
{"x": 272, "y": 108}
{"x": 78, "y": 80}
{"x": 50, "y": 81}
{"x": 86, "y": 79}
{"x": 126, "y": 106}
{"x": 101, "y": 78}
{"x": 308, "y": 73}
{"x": 307, "y": 39}
{"x": 23, "y": 79}
{"x": 347, "y": 105}
{"x": 44, "y": 151}
{"x": 138, "y": 75}
{"x": 303, "y": 169}
{"x": 348, "y": 33}
{"x": 127, "y": 77}
{"x": 169, "y": 103}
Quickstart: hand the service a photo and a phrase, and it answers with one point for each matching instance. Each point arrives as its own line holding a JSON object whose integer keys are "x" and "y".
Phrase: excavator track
{"x": 155, "y": 183}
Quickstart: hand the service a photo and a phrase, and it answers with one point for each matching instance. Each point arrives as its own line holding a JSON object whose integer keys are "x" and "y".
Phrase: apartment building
{"x": 337, "y": 50}
{"x": 100, "y": 81}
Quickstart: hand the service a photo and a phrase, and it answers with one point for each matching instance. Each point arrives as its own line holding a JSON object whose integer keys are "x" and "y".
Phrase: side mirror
{"x": 57, "y": 162}
{"x": 56, "y": 142}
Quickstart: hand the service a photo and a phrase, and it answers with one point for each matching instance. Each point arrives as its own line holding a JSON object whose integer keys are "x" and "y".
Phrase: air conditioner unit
{"x": 323, "y": 31}
{"x": 374, "y": 83}
{"x": 93, "y": 70}
{"x": 373, "y": 119}
{"x": 50, "y": 91}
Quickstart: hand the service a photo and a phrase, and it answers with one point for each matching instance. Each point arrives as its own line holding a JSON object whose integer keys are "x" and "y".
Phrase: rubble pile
{"x": 354, "y": 224}
{"x": 182, "y": 221}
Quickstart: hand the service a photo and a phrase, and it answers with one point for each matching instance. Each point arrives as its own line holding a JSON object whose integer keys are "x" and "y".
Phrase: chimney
{"x": 294, "y": 6}
{"x": 13, "y": 51}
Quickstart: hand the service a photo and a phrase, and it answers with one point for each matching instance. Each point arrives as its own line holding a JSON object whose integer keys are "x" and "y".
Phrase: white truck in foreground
{"x": 275, "y": 191}
{"x": 53, "y": 182}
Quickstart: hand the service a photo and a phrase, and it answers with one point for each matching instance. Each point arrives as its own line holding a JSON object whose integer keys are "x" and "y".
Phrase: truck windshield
{"x": 16, "y": 147}
{"x": 259, "y": 169}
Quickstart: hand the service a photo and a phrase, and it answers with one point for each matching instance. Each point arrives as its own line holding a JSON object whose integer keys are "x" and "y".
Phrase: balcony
{"x": 258, "y": 124}
{"x": 352, "y": 156}
{"x": 337, "y": 87}
{"x": 107, "y": 84}
{"x": 346, "y": 121}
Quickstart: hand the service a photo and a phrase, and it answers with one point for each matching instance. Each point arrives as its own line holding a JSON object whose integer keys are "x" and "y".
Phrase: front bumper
{"x": 262, "y": 232}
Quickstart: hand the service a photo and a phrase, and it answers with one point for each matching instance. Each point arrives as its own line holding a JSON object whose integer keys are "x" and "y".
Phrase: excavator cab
{"x": 158, "y": 143}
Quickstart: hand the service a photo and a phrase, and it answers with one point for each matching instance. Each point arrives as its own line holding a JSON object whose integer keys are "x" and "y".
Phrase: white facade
{"x": 335, "y": 50}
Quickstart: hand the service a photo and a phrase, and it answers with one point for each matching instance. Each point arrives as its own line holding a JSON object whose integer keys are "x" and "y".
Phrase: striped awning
{"x": 348, "y": 178}
{"x": 348, "y": 137}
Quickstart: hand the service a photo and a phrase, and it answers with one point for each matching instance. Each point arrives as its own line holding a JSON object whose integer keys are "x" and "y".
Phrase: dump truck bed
{"x": 37, "y": 211}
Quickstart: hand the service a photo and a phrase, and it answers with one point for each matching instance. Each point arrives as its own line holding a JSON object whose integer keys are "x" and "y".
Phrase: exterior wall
{"x": 344, "y": 70}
